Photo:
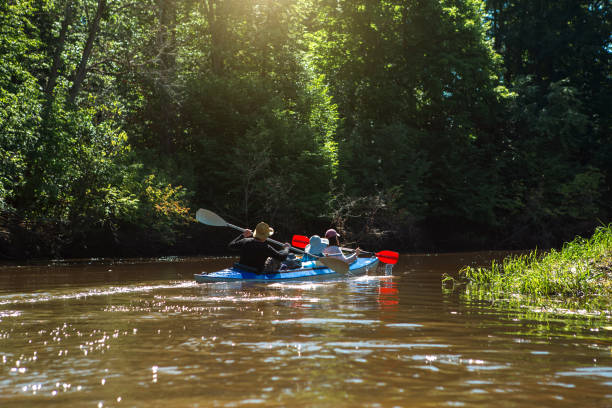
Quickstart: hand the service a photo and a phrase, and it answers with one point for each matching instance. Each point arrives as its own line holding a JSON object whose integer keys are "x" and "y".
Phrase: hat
{"x": 263, "y": 231}
{"x": 331, "y": 233}
{"x": 316, "y": 246}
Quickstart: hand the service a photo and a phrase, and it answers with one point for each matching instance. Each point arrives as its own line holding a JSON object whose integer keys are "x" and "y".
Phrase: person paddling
{"x": 255, "y": 253}
{"x": 333, "y": 250}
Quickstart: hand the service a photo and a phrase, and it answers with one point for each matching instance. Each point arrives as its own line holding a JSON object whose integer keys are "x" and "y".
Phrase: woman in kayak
{"x": 334, "y": 250}
{"x": 255, "y": 253}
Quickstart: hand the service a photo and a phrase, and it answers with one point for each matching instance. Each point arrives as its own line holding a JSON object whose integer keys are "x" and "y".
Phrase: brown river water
{"x": 142, "y": 333}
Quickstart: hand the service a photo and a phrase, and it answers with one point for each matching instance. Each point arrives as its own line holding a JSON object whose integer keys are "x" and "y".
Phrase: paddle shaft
{"x": 299, "y": 251}
{"x": 353, "y": 250}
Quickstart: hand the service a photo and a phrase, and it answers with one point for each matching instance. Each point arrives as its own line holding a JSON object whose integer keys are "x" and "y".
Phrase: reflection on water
{"x": 143, "y": 334}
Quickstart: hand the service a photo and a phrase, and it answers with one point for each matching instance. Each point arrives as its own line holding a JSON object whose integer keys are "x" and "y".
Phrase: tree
{"x": 557, "y": 62}
{"x": 20, "y": 107}
{"x": 59, "y": 43}
{"x": 81, "y": 71}
{"x": 417, "y": 88}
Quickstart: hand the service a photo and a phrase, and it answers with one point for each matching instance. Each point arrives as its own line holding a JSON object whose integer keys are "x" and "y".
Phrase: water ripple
{"x": 605, "y": 372}
{"x": 60, "y": 295}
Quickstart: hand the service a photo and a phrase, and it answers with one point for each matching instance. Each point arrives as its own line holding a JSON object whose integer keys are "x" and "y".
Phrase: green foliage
{"x": 252, "y": 149}
{"x": 161, "y": 208}
{"x": 382, "y": 117}
{"x": 19, "y": 98}
{"x": 374, "y": 220}
{"x": 76, "y": 160}
{"x": 417, "y": 89}
{"x": 557, "y": 148}
{"x": 581, "y": 268}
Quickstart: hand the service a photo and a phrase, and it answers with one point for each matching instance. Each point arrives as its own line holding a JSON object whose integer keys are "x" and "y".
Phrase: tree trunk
{"x": 166, "y": 73}
{"x": 57, "y": 55}
{"x": 81, "y": 71}
{"x": 166, "y": 37}
{"x": 215, "y": 29}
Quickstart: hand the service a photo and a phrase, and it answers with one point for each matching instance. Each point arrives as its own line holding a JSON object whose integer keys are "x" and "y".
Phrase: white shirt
{"x": 335, "y": 252}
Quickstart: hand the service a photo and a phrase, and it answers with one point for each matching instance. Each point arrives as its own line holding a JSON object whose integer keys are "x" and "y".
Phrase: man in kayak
{"x": 255, "y": 253}
{"x": 334, "y": 250}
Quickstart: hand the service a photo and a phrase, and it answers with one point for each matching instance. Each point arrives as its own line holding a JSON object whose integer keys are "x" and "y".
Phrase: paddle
{"x": 210, "y": 218}
{"x": 388, "y": 257}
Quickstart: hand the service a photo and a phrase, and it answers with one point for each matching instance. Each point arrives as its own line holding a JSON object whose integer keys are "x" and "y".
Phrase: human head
{"x": 331, "y": 234}
{"x": 263, "y": 231}
{"x": 317, "y": 245}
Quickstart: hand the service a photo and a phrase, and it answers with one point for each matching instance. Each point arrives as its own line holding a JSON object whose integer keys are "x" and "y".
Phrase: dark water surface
{"x": 143, "y": 334}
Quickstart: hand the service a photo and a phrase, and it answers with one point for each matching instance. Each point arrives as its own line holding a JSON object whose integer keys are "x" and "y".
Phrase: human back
{"x": 255, "y": 251}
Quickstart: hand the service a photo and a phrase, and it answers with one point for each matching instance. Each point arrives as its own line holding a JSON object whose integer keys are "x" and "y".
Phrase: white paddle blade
{"x": 210, "y": 218}
{"x": 335, "y": 264}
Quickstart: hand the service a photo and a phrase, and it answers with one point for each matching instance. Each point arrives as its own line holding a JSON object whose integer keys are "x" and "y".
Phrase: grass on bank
{"x": 582, "y": 267}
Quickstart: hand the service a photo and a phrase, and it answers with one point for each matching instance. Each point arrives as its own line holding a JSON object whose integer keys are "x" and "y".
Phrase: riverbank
{"x": 582, "y": 268}
{"x": 25, "y": 238}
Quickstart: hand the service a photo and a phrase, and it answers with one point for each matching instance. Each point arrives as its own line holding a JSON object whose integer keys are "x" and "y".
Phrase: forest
{"x": 419, "y": 125}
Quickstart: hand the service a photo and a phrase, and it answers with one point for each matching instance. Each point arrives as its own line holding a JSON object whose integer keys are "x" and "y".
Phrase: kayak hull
{"x": 310, "y": 270}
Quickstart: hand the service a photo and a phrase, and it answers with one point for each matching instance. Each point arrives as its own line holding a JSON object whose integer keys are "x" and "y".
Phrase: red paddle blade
{"x": 389, "y": 257}
{"x": 300, "y": 241}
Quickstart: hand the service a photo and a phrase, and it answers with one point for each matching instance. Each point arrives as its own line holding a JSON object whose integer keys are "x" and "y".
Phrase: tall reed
{"x": 582, "y": 267}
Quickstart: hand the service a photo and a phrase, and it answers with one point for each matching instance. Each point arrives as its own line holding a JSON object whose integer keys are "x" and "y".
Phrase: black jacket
{"x": 254, "y": 252}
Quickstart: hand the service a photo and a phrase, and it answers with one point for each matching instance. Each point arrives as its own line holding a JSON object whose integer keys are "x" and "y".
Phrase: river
{"x": 142, "y": 333}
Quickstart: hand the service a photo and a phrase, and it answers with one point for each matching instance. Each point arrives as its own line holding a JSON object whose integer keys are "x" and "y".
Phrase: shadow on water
{"x": 142, "y": 333}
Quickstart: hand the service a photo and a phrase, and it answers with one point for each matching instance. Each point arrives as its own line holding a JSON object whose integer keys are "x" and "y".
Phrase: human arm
{"x": 352, "y": 257}
{"x": 240, "y": 239}
{"x": 335, "y": 252}
{"x": 237, "y": 242}
{"x": 281, "y": 255}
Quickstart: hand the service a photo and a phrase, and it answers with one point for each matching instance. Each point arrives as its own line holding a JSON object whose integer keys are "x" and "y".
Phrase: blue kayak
{"x": 310, "y": 270}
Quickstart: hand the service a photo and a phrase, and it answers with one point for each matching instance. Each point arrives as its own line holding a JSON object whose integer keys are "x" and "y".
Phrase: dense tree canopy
{"x": 434, "y": 125}
{"x": 557, "y": 63}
